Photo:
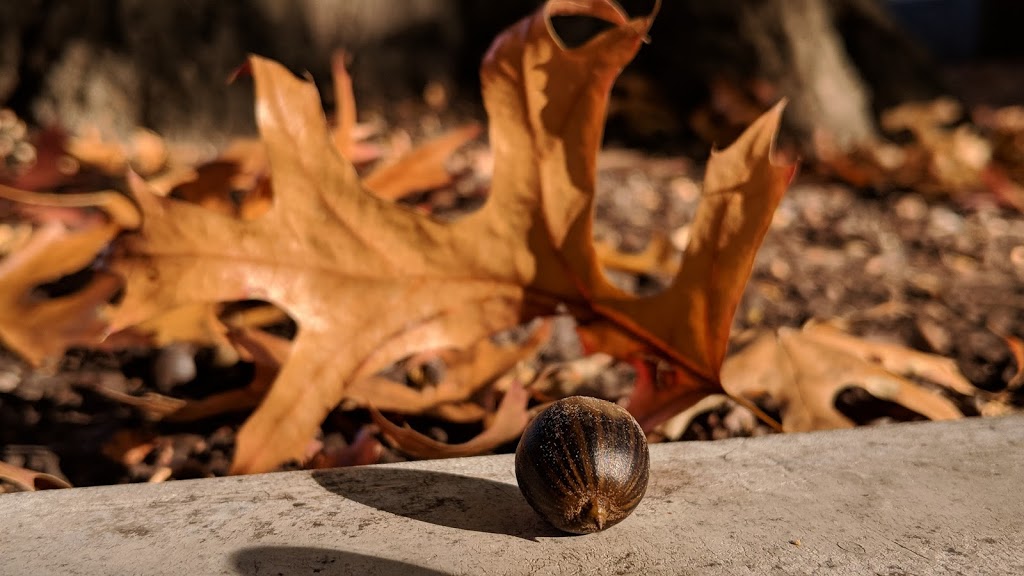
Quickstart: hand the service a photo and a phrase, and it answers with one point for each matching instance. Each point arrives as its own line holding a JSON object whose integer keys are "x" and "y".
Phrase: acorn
{"x": 583, "y": 464}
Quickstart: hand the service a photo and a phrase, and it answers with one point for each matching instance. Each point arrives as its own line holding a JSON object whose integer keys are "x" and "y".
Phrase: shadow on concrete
{"x": 439, "y": 498}
{"x": 265, "y": 560}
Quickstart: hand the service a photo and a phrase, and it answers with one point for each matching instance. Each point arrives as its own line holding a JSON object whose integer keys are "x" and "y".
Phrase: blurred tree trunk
{"x": 839, "y": 62}
{"x": 118, "y": 64}
{"x": 716, "y": 64}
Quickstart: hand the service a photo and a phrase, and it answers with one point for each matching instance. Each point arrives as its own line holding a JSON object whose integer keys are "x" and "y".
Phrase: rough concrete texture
{"x": 931, "y": 498}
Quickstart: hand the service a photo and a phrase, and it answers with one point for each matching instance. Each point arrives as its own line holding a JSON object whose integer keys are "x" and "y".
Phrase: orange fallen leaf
{"x": 369, "y": 282}
{"x": 675, "y": 427}
{"x": 336, "y": 258}
{"x": 381, "y": 281}
{"x": 688, "y": 323}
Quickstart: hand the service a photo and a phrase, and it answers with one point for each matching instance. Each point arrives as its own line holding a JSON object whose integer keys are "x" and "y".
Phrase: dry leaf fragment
{"x": 802, "y": 372}
{"x": 659, "y": 258}
{"x": 364, "y": 449}
{"x": 895, "y": 358}
{"x": 236, "y": 183}
{"x": 145, "y": 152}
{"x": 509, "y": 422}
{"x": 347, "y": 134}
{"x": 267, "y": 353}
{"x": 75, "y": 210}
{"x": 466, "y": 372}
{"x": 38, "y": 329}
{"x": 30, "y": 479}
{"x": 421, "y": 169}
{"x": 73, "y": 230}
{"x": 153, "y": 405}
{"x": 191, "y": 323}
{"x": 675, "y": 427}
{"x": 941, "y": 159}
{"x": 566, "y": 378}
{"x": 129, "y": 447}
{"x": 1016, "y": 346}
{"x": 13, "y": 236}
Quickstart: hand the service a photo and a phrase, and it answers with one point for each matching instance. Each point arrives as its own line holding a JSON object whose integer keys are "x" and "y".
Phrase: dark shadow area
{"x": 437, "y": 498}
{"x": 865, "y": 409}
{"x": 273, "y": 560}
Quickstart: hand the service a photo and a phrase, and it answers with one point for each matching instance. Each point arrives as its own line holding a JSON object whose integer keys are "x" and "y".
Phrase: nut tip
{"x": 598, "y": 514}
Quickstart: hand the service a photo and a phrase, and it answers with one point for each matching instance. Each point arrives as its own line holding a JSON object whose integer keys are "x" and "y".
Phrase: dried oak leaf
{"x": 369, "y": 282}
{"x": 688, "y": 323}
{"x": 803, "y": 371}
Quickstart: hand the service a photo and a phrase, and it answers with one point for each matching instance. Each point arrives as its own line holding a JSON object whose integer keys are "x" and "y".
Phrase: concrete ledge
{"x": 930, "y": 498}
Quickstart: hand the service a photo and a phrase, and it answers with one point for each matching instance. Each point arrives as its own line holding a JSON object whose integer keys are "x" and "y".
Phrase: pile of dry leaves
{"x": 317, "y": 268}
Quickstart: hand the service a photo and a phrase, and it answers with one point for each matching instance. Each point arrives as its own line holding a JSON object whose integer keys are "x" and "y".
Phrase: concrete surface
{"x": 930, "y": 498}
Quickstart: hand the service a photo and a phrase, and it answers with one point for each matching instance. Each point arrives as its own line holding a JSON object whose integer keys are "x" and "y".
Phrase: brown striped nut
{"x": 583, "y": 464}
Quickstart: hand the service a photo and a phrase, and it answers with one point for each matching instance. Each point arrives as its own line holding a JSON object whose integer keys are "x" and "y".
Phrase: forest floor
{"x": 925, "y": 271}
